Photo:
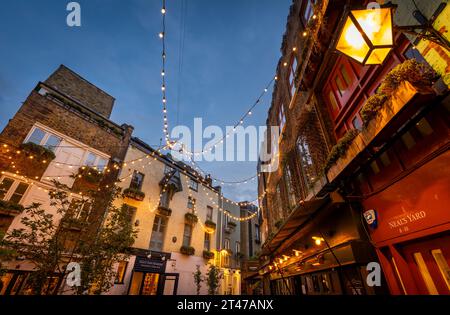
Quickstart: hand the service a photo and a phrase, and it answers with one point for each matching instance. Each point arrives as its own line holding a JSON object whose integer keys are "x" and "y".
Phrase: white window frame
{"x": 72, "y": 142}
{"x": 13, "y": 188}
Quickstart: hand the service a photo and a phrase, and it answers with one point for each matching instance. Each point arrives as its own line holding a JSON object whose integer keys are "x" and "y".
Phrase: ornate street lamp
{"x": 367, "y": 35}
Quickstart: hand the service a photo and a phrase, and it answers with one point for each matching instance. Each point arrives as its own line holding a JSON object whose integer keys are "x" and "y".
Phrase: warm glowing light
{"x": 367, "y": 36}
{"x": 318, "y": 240}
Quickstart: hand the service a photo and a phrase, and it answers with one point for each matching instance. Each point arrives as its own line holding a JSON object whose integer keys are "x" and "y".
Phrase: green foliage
{"x": 90, "y": 174}
{"x": 212, "y": 279}
{"x": 190, "y": 218}
{"x": 187, "y": 250}
{"x": 232, "y": 224}
{"x": 134, "y": 194}
{"x": 39, "y": 150}
{"x": 411, "y": 70}
{"x": 198, "y": 279}
{"x": 208, "y": 255}
{"x": 372, "y": 107}
{"x": 97, "y": 246}
{"x": 5, "y": 253}
{"x": 340, "y": 148}
{"x": 10, "y": 206}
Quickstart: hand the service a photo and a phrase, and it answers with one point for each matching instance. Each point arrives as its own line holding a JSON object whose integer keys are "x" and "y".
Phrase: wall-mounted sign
{"x": 153, "y": 264}
{"x": 371, "y": 218}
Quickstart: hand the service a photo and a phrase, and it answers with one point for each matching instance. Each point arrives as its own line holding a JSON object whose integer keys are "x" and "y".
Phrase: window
{"x": 281, "y": 118}
{"x": 442, "y": 265}
{"x": 137, "y": 180}
{"x": 11, "y": 190}
{"x": 102, "y": 164}
{"x": 207, "y": 243}
{"x": 357, "y": 122}
{"x": 80, "y": 209}
{"x": 37, "y": 136}
{"x": 131, "y": 211}
{"x": 257, "y": 233}
{"x": 333, "y": 101}
{"x": 384, "y": 158}
{"x": 93, "y": 160}
{"x": 46, "y": 139}
{"x": 226, "y": 244}
{"x": 5, "y": 185}
{"x": 289, "y": 186}
{"x": 238, "y": 247}
{"x": 292, "y": 72}
{"x": 121, "y": 270}
{"x": 191, "y": 203}
{"x": 158, "y": 233}
{"x": 187, "y": 235}
{"x": 340, "y": 85}
{"x": 424, "y": 127}
{"x": 193, "y": 184}
{"x": 375, "y": 168}
{"x": 209, "y": 213}
{"x": 408, "y": 140}
{"x": 309, "y": 9}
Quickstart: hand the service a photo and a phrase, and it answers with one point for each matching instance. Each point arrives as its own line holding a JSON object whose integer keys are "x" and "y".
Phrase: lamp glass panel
{"x": 376, "y": 24}
{"x": 377, "y": 56}
{"x": 352, "y": 43}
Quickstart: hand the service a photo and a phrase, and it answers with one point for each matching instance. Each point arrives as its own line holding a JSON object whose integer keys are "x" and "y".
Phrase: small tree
{"x": 113, "y": 239}
{"x": 212, "y": 279}
{"x": 198, "y": 279}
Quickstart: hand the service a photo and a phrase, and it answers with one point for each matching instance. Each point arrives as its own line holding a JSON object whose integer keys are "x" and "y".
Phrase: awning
{"x": 299, "y": 216}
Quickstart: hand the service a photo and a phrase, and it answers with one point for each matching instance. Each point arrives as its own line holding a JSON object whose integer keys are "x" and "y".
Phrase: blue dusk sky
{"x": 220, "y": 55}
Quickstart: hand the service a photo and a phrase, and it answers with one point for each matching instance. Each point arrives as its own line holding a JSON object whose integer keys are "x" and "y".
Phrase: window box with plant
{"x": 87, "y": 179}
{"x": 231, "y": 224}
{"x": 134, "y": 193}
{"x": 240, "y": 256}
{"x": 190, "y": 218}
{"x": 187, "y": 250}
{"x": 398, "y": 88}
{"x": 208, "y": 254}
{"x": 210, "y": 224}
{"x": 10, "y": 208}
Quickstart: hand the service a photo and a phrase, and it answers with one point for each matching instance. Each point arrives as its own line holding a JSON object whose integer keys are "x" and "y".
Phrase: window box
{"x": 187, "y": 250}
{"x": 10, "y": 208}
{"x": 231, "y": 224}
{"x": 210, "y": 224}
{"x": 240, "y": 256}
{"x": 38, "y": 151}
{"x": 208, "y": 255}
{"x": 87, "y": 179}
{"x": 403, "y": 94}
{"x": 190, "y": 218}
{"x": 134, "y": 194}
{"x": 164, "y": 211}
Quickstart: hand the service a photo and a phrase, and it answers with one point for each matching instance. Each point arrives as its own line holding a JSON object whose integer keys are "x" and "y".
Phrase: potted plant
{"x": 187, "y": 250}
{"x": 208, "y": 254}
{"x": 231, "y": 224}
{"x": 210, "y": 224}
{"x": 240, "y": 256}
{"x": 134, "y": 193}
{"x": 190, "y": 218}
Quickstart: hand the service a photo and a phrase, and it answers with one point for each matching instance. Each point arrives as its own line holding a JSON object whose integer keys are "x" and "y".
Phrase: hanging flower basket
{"x": 187, "y": 250}
{"x": 38, "y": 151}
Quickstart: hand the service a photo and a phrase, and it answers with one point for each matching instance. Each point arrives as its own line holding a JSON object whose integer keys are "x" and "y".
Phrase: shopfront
{"x": 411, "y": 230}
{"x": 149, "y": 277}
